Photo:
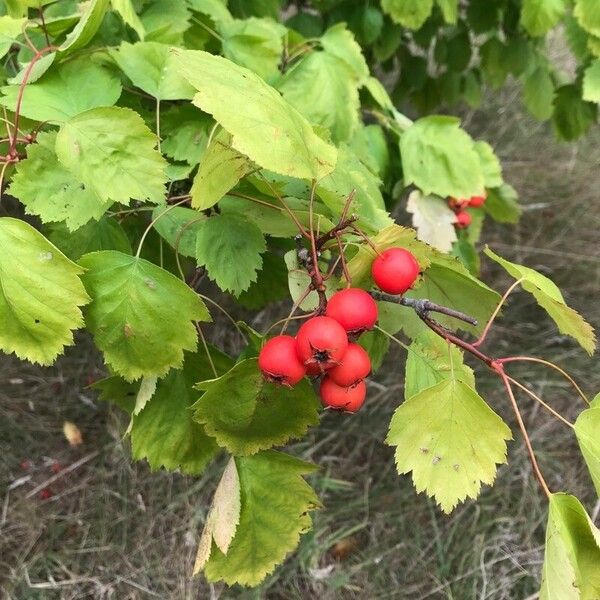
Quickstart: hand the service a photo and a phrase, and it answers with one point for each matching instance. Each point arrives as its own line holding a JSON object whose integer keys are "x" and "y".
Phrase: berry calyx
{"x": 457, "y": 204}
{"x": 321, "y": 342}
{"x": 338, "y": 397}
{"x": 354, "y": 309}
{"x": 355, "y": 366}
{"x": 395, "y": 270}
{"x": 279, "y": 362}
{"x": 477, "y": 201}
{"x": 463, "y": 219}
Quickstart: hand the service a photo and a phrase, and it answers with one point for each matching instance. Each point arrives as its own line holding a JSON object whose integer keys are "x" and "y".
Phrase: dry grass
{"x": 115, "y": 530}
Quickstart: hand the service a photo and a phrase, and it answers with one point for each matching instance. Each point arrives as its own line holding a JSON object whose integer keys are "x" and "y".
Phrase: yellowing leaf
{"x": 450, "y": 439}
{"x": 40, "y": 294}
{"x": 72, "y": 434}
{"x": 433, "y": 220}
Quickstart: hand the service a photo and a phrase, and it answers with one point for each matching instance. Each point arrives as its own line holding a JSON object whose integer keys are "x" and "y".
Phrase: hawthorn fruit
{"x": 463, "y": 219}
{"x": 355, "y": 366}
{"x": 477, "y": 201}
{"x": 278, "y": 360}
{"x": 395, "y": 270}
{"x": 321, "y": 342}
{"x": 339, "y": 397}
{"x": 354, "y": 309}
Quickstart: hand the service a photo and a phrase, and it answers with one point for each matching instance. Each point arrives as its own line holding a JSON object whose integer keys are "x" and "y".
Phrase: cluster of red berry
{"x": 325, "y": 345}
{"x": 463, "y": 218}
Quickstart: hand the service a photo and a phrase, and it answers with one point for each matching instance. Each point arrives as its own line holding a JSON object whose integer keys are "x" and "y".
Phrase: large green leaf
{"x": 72, "y": 88}
{"x": 572, "y": 116}
{"x": 540, "y": 16}
{"x": 338, "y": 41}
{"x": 431, "y": 360}
{"x": 166, "y": 21}
{"x": 591, "y": 83}
{"x": 40, "y": 294}
{"x": 538, "y": 93}
{"x": 230, "y": 246}
{"x": 246, "y": 414}
{"x": 253, "y": 43}
{"x": 89, "y": 23}
{"x": 440, "y": 158}
{"x": 179, "y": 226}
{"x": 572, "y": 560}
{"x": 588, "y": 15}
{"x": 49, "y": 190}
{"x": 113, "y": 152}
{"x": 275, "y": 501}
{"x": 141, "y": 315}
{"x": 264, "y": 126}
{"x": 549, "y": 297}
{"x": 151, "y": 67}
{"x": 490, "y": 165}
{"x": 220, "y": 170}
{"x": 450, "y": 439}
{"x": 587, "y": 430}
{"x": 409, "y": 13}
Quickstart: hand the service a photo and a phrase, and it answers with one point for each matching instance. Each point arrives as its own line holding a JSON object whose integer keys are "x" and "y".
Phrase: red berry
{"x": 395, "y": 270}
{"x": 343, "y": 398}
{"x": 278, "y": 361}
{"x": 476, "y": 201}
{"x": 354, "y": 309}
{"x": 463, "y": 219}
{"x": 321, "y": 341}
{"x": 56, "y": 467}
{"x": 355, "y": 366}
{"x": 46, "y": 493}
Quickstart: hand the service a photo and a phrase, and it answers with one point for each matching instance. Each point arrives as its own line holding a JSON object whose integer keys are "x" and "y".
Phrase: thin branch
{"x": 206, "y": 350}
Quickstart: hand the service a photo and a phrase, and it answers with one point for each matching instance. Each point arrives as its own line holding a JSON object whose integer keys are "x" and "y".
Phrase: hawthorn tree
{"x": 154, "y": 144}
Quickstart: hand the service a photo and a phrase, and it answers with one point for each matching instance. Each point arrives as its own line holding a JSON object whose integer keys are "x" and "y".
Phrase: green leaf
{"x": 538, "y": 17}
{"x": 127, "y": 11}
{"x": 141, "y": 315}
{"x": 151, "y": 67}
{"x": 440, "y": 158}
{"x": 549, "y": 297}
{"x": 502, "y": 204}
{"x": 166, "y": 21}
{"x": 220, "y": 170}
{"x": 49, "y": 190}
{"x": 245, "y": 414}
{"x": 10, "y": 30}
{"x": 449, "y": 10}
{"x": 89, "y": 23}
{"x": 215, "y": 9}
{"x": 433, "y": 220}
{"x": 450, "y": 439}
{"x": 572, "y": 559}
{"x": 256, "y": 44}
{"x": 105, "y": 234}
{"x": 185, "y": 132}
{"x": 271, "y": 284}
{"x": 230, "y": 246}
{"x": 490, "y": 165}
{"x": 408, "y": 13}
{"x": 164, "y": 432}
{"x": 275, "y": 501}
{"x": 179, "y": 226}
{"x": 339, "y": 42}
{"x": 588, "y": 15}
{"x": 572, "y": 116}
{"x": 591, "y": 83}
{"x": 35, "y": 72}
{"x": 431, "y": 360}
{"x": 587, "y": 427}
{"x": 264, "y": 126}
{"x": 111, "y": 151}
{"x": 40, "y": 294}
{"x": 495, "y": 64}
{"x": 377, "y": 344}
{"x": 71, "y": 89}
{"x": 324, "y": 90}
{"x": 576, "y": 37}
{"x": 538, "y": 93}
{"x": 370, "y": 145}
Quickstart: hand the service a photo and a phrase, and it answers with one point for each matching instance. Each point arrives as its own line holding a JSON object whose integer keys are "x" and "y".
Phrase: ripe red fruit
{"x": 476, "y": 201}
{"x": 395, "y": 270}
{"x": 46, "y": 493}
{"x": 463, "y": 219}
{"x": 279, "y": 362}
{"x": 354, "y": 309}
{"x": 457, "y": 204}
{"x": 355, "y": 366}
{"x": 336, "y": 396}
{"x": 321, "y": 341}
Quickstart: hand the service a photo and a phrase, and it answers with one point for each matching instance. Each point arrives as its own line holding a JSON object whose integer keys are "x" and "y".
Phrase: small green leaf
{"x": 338, "y": 41}
{"x": 549, "y": 297}
{"x": 572, "y": 559}
{"x": 166, "y": 21}
{"x": 502, "y": 204}
{"x": 490, "y": 165}
{"x": 230, "y": 246}
{"x": 449, "y": 9}
{"x": 572, "y": 116}
{"x": 89, "y": 23}
{"x": 264, "y": 126}
{"x": 127, "y": 11}
{"x": 112, "y": 151}
{"x": 141, "y": 315}
{"x": 215, "y": 9}
{"x": 246, "y": 414}
{"x": 220, "y": 170}
{"x": 591, "y": 83}
{"x": 538, "y": 93}
{"x": 538, "y": 17}
{"x": 408, "y": 13}
{"x": 71, "y": 89}
{"x": 440, "y": 158}
{"x": 587, "y": 428}
{"x": 275, "y": 501}
{"x": 10, "y": 30}
{"x": 450, "y": 439}
{"x": 588, "y": 15}
{"x": 40, "y": 294}
{"x": 370, "y": 146}
{"x": 179, "y": 226}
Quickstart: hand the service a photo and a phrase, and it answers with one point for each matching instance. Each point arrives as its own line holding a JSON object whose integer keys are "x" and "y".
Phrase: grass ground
{"x": 114, "y": 530}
